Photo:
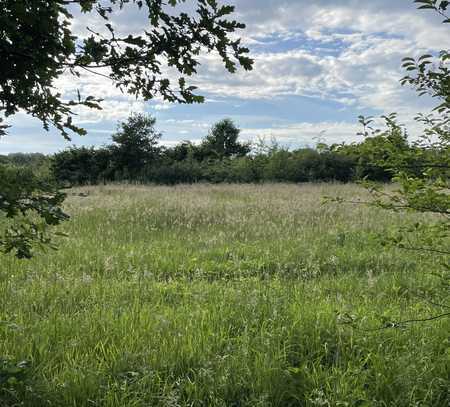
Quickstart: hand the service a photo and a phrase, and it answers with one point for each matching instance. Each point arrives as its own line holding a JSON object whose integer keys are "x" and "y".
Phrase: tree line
{"x": 136, "y": 155}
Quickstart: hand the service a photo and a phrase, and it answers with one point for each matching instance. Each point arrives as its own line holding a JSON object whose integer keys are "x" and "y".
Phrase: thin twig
{"x": 410, "y": 321}
{"x": 96, "y": 73}
{"x": 392, "y": 325}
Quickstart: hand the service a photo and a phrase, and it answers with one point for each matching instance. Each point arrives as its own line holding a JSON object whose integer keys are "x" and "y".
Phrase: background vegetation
{"x": 137, "y": 156}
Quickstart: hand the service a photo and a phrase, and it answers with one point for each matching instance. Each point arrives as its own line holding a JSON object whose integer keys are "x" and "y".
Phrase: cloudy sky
{"x": 318, "y": 65}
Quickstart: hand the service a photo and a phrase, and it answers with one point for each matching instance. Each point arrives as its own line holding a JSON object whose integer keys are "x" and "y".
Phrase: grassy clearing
{"x": 220, "y": 296}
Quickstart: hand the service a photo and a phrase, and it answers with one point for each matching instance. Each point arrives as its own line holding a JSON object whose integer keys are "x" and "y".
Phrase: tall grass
{"x": 220, "y": 296}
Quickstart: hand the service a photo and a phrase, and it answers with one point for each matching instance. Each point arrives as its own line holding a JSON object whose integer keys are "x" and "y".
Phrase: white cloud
{"x": 373, "y": 37}
{"x": 162, "y": 106}
{"x": 112, "y": 110}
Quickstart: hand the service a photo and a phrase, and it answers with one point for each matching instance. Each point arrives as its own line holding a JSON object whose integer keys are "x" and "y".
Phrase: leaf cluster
{"x": 28, "y": 206}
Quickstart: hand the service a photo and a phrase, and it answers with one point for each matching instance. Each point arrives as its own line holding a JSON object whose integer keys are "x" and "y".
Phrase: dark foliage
{"x": 135, "y": 146}
{"x": 222, "y": 142}
{"x": 81, "y": 165}
{"x": 221, "y": 157}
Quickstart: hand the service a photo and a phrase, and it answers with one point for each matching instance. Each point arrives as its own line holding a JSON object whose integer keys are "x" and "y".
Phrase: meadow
{"x": 222, "y": 295}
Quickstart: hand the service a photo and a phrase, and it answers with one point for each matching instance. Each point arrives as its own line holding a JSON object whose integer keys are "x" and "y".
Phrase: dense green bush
{"x": 81, "y": 165}
{"x": 176, "y": 172}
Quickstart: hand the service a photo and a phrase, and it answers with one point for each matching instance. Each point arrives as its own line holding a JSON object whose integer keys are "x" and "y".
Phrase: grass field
{"x": 221, "y": 296}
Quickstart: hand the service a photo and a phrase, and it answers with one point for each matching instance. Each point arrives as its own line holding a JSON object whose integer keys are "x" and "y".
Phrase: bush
{"x": 81, "y": 165}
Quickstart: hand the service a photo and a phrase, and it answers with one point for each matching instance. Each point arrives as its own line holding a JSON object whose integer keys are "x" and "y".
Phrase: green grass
{"x": 221, "y": 296}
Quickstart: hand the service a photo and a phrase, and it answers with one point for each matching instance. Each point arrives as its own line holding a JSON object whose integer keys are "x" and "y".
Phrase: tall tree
{"x": 136, "y": 144}
{"x": 222, "y": 141}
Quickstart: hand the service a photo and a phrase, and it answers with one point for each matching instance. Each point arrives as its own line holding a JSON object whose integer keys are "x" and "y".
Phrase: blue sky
{"x": 318, "y": 65}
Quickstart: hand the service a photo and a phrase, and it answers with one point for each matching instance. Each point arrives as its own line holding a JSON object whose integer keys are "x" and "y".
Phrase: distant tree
{"x": 136, "y": 145}
{"x": 222, "y": 141}
{"x": 38, "y": 45}
{"x": 33, "y": 160}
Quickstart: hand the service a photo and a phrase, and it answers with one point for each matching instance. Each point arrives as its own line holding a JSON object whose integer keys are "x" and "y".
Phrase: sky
{"x": 319, "y": 64}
